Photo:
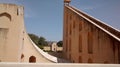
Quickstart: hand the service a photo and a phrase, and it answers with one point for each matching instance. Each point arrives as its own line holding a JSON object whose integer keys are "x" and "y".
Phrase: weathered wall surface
{"x": 15, "y": 44}
{"x": 84, "y": 42}
{"x": 11, "y": 27}
{"x": 29, "y": 50}
{"x": 48, "y": 48}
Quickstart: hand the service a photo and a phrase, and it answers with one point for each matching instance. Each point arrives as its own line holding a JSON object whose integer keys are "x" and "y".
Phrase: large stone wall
{"x": 87, "y": 42}
{"x": 11, "y": 27}
{"x": 15, "y": 44}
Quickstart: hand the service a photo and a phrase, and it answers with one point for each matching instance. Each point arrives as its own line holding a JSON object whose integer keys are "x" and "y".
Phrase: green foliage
{"x": 42, "y": 41}
{"x": 40, "y": 46}
{"x": 34, "y": 38}
{"x": 60, "y": 43}
{"x": 48, "y": 51}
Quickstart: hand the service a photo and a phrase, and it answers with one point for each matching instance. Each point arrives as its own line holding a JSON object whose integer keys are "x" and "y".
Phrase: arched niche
{"x": 90, "y": 60}
{"x": 6, "y": 14}
{"x": 22, "y": 56}
{"x": 32, "y": 59}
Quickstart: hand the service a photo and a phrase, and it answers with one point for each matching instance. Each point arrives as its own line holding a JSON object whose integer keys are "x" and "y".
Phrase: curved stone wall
{"x": 15, "y": 44}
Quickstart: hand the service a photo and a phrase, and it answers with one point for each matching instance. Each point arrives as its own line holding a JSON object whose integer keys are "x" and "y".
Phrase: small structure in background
{"x": 52, "y": 46}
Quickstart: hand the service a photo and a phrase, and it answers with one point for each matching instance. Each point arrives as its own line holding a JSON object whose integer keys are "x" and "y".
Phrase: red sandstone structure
{"x": 88, "y": 40}
{"x": 85, "y": 39}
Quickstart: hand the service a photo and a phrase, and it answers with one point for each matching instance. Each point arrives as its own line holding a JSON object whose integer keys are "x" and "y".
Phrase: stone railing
{"x": 55, "y": 65}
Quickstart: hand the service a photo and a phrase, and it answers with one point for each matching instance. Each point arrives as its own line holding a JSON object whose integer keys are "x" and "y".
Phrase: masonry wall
{"x": 29, "y": 50}
{"x": 86, "y": 43}
{"x": 11, "y": 27}
{"x": 15, "y": 44}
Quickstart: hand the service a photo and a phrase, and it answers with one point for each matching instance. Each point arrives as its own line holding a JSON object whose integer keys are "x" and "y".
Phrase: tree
{"x": 42, "y": 41}
{"x": 34, "y": 38}
{"x": 60, "y": 43}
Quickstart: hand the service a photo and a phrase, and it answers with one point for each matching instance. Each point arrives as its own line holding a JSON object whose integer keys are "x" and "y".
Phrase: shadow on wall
{"x": 60, "y": 60}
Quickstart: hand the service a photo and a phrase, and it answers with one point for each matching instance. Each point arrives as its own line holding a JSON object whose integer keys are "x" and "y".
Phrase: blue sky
{"x": 45, "y": 17}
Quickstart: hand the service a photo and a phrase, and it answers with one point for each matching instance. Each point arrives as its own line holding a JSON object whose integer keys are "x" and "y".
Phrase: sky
{"x": 45, "y": 17}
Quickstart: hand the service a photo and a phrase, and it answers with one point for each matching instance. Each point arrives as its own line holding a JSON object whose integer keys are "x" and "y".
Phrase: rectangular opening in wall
{"x": 69, "y": 44}
{"x": 66, "y": 45}
{"x": 69, "y": 56}
{"x": 70, "y": 31}
{"x": 3, "y": 35}
{"x": 118, "y": 53}
{"x": 80, "y": 26}
{"x": 80, "y": 59}
{"x": 74, "y": 24}
{"x": 90, "y": 43}
{"x": 3, "y": 38}
{"x": 80, "y": 43}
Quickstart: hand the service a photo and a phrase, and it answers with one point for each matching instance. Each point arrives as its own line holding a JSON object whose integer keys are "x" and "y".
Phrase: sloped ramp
{"x": 30, "y": 49}
{"x": 15, "y": 44}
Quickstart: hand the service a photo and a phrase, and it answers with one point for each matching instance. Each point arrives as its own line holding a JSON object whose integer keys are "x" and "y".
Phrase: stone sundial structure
{"x": 85, "y": 39}
{"x": 15, "y": 44}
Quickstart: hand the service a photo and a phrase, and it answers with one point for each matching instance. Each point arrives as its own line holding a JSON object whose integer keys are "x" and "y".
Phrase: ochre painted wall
{"x": 83, "y": 42}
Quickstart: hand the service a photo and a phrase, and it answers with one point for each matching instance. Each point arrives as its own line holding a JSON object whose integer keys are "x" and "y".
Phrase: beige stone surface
{"x": 13, "y": 23}
{"x": 56, "y": 65}
{"x": 46, "y": 48}
{"x": 53, "y": 47}
{"x": 15, "y": 44}
{"x": 59, "y": 48}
